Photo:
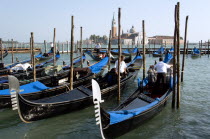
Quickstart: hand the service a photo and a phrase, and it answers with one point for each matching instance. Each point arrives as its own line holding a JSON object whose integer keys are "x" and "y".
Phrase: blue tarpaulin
{"x": 76, "y": 61}
{"x": 135, "y": 50}
{"x": 137, "y": 57}
{"x": 160, "y": 51}
{"x": 118, "y": 116}
{"x": 124, "y": 51}
{"x": 196, "y": 51}
{"x": 168, "y": 57}
{"x": 28, "y": 88}
{"x": 96, "y": 68}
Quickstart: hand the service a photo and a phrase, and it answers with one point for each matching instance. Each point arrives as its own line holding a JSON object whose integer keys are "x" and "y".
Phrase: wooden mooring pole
{"x": 187, "y": 47}
{"x": 12, "y": 52}
{"x": 149, "y": 50}
{"x": 62, "y": 48}
{"x": 71, "y": 56}
{"x": 45, "y": 46}
{"x": 174, "y": 61}
{"x": 178, "y": 56}
{"x": 119, "y": 52}
{"x": 67, "y": 45}
{"x": 154, "y": 46}
{"x": 208, "y": 48}
{"x": 81, "y": 50}
{"x": 31, "y": 51}
{"x": 201, "y": 48}
{"x": 54, "y": 47}
{"x": 1, "y": 45}
{"x": 109, "y": 49}
{"x": 185, "y": 40}
{"x": 144, "y": 57}
{"x": 33, "y": 58}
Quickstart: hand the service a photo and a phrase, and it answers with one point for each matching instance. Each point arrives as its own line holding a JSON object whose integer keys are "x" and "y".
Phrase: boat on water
{"x": 143, "y": 104}
{"x": 96, "y": 57}
{"x": 125, "y": 52}
{"x": 24, "y": 71}
{"x": 195, "y": 53}
{"x": 45, "y": 56}
{"x": 53, "y": 85}
{"x": 76, "y": 99}
{"x": 159, "y": 52}
{"x": 5, "y": 70}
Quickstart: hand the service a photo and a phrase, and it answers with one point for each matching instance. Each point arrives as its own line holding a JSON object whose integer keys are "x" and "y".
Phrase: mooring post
{"x": 144, "y": 57}
{"x": 33, "y": 58}
{"x": 2, "y": 59}
{"x": 149, "y": 50}
{"x": 71, "y": 56}
{"x": 187, "y": 48}
{"x": 109, "y": 49}
{"x": 12, "y": 52}
{"x": 91, "y": 45}
{"x": 174, "y": 61}
{"x": 201, "y": 48}
{"x": 54, "y": 47}
{"x": 77, "y": 46}
{"x": 81, "y": 50}
{"x": 62, "y": 48}
{"x": 57, "y": 47}
{"x": 154, "y": 46}
{"x": 178, "y": 56}
{"x": 119, "y": 51}
{"x": 31, "y": 51}
{"x": 185, "y": 40}
{"x": 208, "y": 48}
{"x": 67, "y": 45}
{"x": 45, "y": 46}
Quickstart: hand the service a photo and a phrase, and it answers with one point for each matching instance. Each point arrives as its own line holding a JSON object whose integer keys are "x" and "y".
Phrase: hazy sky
{"x": 20, "y": 17}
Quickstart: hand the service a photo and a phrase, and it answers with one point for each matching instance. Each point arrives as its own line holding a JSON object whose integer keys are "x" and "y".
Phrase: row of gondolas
{"x": 50, "y": 94}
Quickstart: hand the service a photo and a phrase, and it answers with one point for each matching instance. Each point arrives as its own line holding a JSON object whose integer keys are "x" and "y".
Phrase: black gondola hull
{"x": 125, "y": 126}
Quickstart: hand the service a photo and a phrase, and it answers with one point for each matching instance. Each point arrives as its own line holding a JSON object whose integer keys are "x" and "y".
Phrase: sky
{"x": 21, "y": 17}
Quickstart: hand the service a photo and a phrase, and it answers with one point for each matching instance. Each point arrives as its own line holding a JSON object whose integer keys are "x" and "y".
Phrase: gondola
{"x": 45, "y": 56}
{"x": 95, "y": 57}
{"x": 4, "y": 54}
{"x": 195, "y": 53}
{"x": 159, "y": 52}
{"x": 22, "y": 74}
{"x": 142, "y": 105}
{"x": 53, "y": 85}
{"x": 125, "y": 52}
{"x": 69, "y": 101}
{"x": 6, "y": 70}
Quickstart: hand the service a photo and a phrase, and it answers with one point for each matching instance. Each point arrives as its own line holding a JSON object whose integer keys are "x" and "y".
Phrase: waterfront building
{"x": 162, "y": 40}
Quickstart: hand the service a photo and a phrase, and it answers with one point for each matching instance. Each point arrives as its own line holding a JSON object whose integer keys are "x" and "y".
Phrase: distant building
{"x": 163, "y": 40}
{"x": 128, "y": 38}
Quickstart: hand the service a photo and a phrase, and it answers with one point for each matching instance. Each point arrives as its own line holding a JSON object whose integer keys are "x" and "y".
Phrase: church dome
{"x": 132, "y": 30}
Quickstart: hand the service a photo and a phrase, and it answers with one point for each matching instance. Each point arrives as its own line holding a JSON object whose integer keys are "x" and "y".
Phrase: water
{"x": 191, "y": 121}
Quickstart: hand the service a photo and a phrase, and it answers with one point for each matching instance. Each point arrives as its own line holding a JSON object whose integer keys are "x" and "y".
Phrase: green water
{"x": 191, "y": 121}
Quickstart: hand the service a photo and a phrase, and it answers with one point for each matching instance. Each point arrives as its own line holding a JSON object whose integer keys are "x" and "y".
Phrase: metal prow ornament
{"x": 96, "y": 101}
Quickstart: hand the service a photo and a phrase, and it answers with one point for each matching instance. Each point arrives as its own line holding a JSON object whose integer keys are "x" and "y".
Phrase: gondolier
{"x": 161, "y": 69}
{"x": 98, "y": 47}
{"x": 123, "y": 67}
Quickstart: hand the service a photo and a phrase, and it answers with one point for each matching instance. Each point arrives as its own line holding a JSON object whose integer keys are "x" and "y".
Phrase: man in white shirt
{"x": 161, "y": 69}
{"x": 97, "y": 48}
{"x": 123, "y": 67}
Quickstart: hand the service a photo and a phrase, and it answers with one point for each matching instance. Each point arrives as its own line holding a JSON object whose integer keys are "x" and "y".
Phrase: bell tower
{"x": 114, "y": 28}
